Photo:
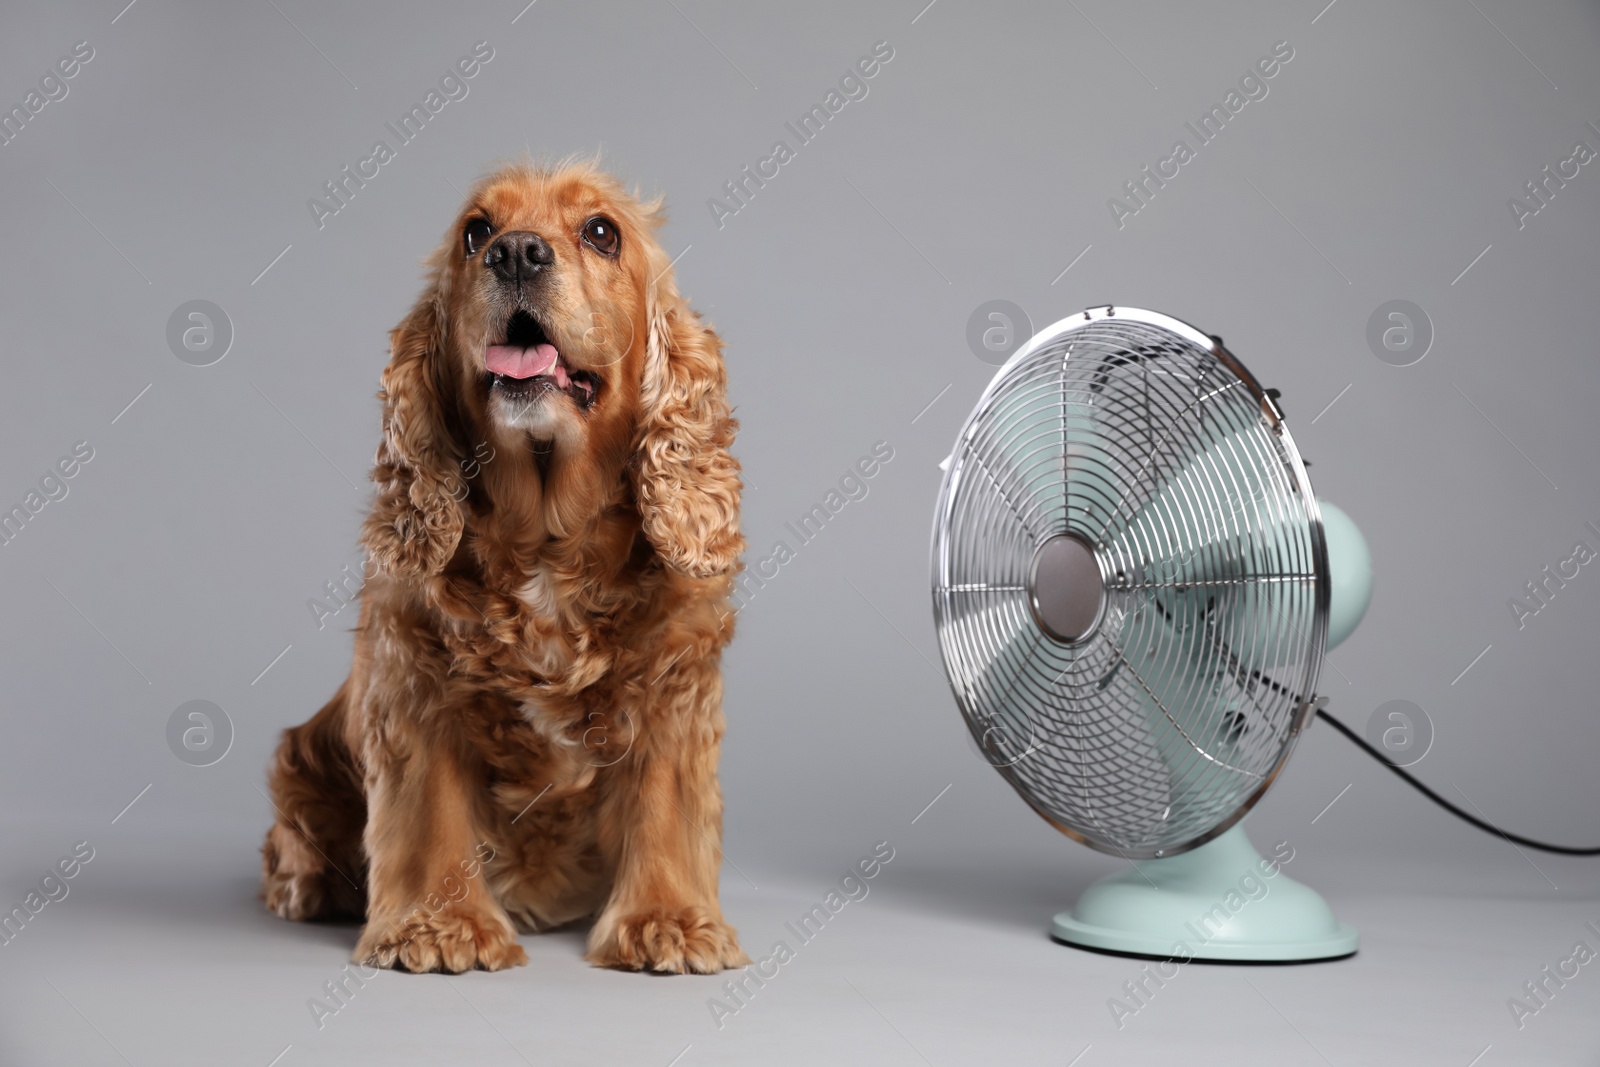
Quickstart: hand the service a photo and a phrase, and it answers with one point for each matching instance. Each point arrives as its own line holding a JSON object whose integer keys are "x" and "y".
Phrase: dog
{"x": 530, "y": 729}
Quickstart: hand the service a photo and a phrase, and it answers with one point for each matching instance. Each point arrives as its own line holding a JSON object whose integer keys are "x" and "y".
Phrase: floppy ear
{"x": 685, "y": 480}
{"x": 415, "y": 522}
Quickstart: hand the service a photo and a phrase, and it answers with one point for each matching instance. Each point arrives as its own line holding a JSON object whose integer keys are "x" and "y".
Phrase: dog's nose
{"x": 518, "y": 256}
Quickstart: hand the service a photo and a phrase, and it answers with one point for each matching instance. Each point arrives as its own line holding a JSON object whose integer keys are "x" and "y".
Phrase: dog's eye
{"x": 600, "y": 233}
{"x": 477, "y": 235}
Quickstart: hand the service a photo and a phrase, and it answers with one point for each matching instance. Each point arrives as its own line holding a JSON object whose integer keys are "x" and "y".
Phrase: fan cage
{"x": 1145, "y": 438}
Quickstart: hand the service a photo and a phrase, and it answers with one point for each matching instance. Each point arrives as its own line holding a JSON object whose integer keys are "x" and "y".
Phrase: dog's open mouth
{"x": 526, "y": 366}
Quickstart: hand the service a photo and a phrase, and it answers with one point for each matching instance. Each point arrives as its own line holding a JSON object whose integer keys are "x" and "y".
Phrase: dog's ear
{"x": 416, "y": 521}
{"x": 685, "y": 480}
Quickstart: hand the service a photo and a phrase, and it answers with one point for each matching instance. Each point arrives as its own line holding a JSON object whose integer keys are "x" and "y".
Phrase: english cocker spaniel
{"x": 530, "y": 729}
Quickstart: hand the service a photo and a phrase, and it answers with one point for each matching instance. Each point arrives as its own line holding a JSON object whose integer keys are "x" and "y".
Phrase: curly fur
{"x": 537, "y": 661}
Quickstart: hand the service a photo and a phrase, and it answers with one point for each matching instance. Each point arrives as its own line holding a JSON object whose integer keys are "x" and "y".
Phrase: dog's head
{"x": 548, "y": 285}
{"x": 552, "y": 328}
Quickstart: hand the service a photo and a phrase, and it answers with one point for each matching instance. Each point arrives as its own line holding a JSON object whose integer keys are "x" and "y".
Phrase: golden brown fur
{"x": 536, "y": 674}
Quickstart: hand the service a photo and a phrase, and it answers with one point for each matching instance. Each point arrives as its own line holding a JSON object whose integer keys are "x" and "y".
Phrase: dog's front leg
{"x": 661, "y": 827}
{"x": 429, "y": 908}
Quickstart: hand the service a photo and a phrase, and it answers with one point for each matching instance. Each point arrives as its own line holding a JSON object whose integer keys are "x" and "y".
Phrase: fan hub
{"x": 1066, "y": 589}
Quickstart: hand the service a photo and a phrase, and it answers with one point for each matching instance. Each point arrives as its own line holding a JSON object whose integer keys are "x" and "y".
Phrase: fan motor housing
{"x": 1066, "y": 589}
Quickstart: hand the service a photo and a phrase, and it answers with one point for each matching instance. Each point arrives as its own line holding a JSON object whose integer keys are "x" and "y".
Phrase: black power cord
{"x": 1516, "y": 839}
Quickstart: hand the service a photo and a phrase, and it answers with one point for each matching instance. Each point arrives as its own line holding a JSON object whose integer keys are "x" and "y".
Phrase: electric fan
{"x": 1134, "y": 587}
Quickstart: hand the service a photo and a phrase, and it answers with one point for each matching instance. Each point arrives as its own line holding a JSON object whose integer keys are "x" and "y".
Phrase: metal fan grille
{"x": 1160, "y": 727}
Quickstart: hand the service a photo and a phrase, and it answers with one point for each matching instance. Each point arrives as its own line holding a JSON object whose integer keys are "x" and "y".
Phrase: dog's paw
{"x": 667, "y": 940}
{"x": 452, "y": 940}
{"x": 297, "y": 897}
{"x": 294, "y": 881}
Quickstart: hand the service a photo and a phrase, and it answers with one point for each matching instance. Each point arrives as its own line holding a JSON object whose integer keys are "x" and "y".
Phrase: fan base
{"x": 1220, "y": 902}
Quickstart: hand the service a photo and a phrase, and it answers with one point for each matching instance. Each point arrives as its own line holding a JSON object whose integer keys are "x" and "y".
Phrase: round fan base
{"x": 1220, "y": 902}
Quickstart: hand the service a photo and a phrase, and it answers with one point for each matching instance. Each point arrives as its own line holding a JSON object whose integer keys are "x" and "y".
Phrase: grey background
{"x": 978, "y": 167}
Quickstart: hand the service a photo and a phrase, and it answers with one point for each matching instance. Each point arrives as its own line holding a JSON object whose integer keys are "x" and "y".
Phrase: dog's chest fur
{"x": 551, "y": 652}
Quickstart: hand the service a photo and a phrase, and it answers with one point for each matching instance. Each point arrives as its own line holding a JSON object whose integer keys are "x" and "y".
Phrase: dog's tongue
{"x": 515, "y": 362}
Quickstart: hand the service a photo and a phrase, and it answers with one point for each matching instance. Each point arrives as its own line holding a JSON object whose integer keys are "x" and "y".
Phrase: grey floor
{"x": 161, "y": 954}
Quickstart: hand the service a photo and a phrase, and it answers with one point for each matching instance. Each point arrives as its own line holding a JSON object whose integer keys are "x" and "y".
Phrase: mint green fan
{"x": 1134, "y": 587}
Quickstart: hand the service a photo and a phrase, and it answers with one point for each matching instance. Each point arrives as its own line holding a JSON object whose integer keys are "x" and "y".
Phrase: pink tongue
{"x": 514, "y": 362}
